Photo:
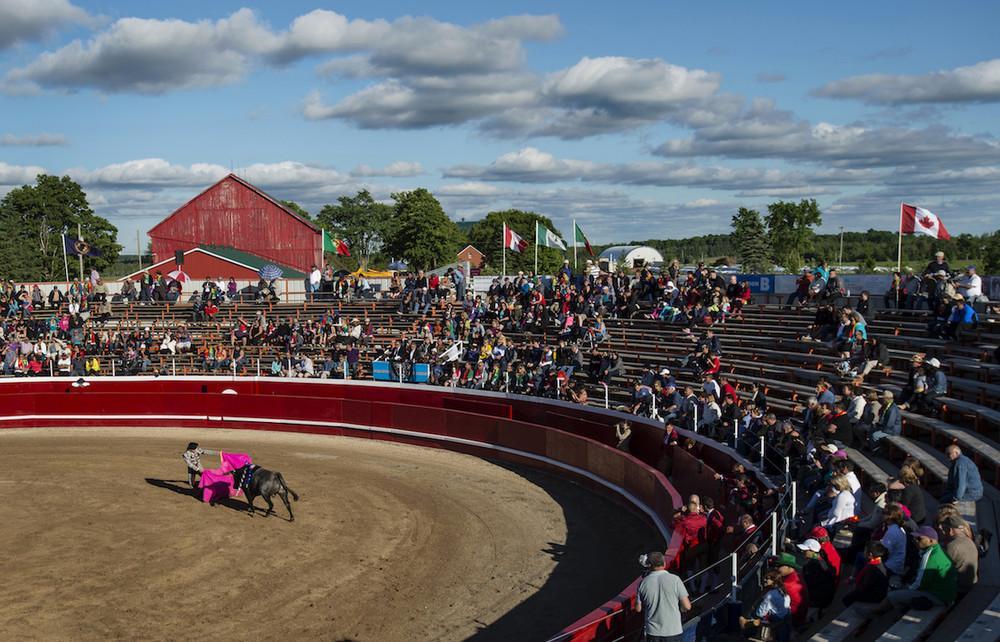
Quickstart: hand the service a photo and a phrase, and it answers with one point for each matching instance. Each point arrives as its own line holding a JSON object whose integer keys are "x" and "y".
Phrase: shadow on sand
{"x": 604, "y": 538}
{"x": 181, "y": 487}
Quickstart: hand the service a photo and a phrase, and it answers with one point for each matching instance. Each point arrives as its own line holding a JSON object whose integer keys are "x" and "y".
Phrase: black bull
{"x": 263, "y": 483}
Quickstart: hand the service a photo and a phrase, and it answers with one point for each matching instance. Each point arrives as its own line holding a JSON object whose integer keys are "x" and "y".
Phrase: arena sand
{"x": 101, "y": 539}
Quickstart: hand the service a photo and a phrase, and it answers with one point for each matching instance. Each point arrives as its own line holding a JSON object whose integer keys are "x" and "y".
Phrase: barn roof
{"x": 253, "y": 188}
{"x": 243, "y": 259}
{"x": 250, "y": 260}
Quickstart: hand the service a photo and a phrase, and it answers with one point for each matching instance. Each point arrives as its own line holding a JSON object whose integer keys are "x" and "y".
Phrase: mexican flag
{"x": 917, "y": 220}
{"x": 580, "y": 238}
{"x": 547, "y": 238}
{"x": 337, "y": 246}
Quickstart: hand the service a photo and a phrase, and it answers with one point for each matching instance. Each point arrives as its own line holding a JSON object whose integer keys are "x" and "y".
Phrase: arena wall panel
{"x": 556, "y": 436}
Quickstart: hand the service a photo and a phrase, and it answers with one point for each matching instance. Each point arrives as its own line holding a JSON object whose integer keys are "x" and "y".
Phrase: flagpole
{"x": 503, "y": 249}
{"x": 65, "y": 260}
{"x": 899, "y": 252}
{"x": 79, "y": 235}
{"x": 536, "y": 248}
{"x": 574, "y": 245}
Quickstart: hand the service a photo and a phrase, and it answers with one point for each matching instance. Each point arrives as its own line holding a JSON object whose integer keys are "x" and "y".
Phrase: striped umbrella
{"x": 270, "y": 272}
{"x": 179, "y": 275}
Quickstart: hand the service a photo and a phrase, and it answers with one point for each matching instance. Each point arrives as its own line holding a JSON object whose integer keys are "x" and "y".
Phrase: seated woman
{"x": 772, "y": 610}
{"x": 169, "y": 344}
{"x": 843, "y": 503}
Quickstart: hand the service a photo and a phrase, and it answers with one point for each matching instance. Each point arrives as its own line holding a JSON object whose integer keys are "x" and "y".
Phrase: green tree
{"x": 991, "y": 254}
{"x": 790, "y": 230}
{"x": 298, "y": 209}
{"x": 487, "y": 236}
{"x": 868, "y": 265}
{"x": 360, "y": 220}
{"x": 750, "y": 236}
{"x": 420, "y": 232}
{"x": 33, "y": 219}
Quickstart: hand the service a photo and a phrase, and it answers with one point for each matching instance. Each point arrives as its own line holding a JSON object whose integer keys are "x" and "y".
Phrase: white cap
{"x": 809, "y": 545}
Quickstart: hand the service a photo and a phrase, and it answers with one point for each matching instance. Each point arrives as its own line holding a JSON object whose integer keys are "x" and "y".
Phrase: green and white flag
{"x": 548, "y": 238}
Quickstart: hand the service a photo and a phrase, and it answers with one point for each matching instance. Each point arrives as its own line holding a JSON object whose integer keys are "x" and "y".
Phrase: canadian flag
{"x": 917, "y": 220}
{"x": 512, "y": 241}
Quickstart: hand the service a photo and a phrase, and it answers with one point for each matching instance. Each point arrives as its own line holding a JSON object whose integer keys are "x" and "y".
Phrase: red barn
{"x": 235, "y": 214}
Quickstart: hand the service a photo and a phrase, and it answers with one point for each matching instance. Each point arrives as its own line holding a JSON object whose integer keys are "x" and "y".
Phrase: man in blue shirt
{"x": 963, "y": 319}
{"x": 964, "y": 483}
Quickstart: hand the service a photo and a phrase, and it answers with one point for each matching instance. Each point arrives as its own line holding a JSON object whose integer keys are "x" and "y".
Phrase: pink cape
{"x": 215, "y": 484}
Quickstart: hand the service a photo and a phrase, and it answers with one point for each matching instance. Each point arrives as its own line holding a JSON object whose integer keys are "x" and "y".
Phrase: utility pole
{"x": 840, "y": 257}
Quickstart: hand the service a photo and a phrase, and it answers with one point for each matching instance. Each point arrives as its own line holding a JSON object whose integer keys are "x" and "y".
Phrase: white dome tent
{"x": 630, "y": 256}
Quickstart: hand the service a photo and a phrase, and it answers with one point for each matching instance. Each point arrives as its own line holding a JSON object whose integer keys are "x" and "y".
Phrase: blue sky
{"x": 639, "y": 119}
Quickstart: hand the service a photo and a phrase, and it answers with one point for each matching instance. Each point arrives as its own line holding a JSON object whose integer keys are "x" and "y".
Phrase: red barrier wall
{"x": 555, "y": 435}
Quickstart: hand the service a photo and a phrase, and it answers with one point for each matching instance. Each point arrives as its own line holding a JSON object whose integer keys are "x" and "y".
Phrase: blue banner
{"x": 759, "y": 283}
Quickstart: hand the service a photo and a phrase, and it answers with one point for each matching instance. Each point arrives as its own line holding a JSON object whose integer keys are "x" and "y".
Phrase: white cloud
{"x": 33, "y": 140}
{"x": 157, "y": 173}
{"x": 624, "y": 85}
{"x": 761, "y": 131}
{"x": 15, "y": 175}
{"x": 472, "y": 188}
{"x": 149, "y": 172}
{"x": 530, "y": 165}
{"x": 427, "y": 101}
{"x": 148, "y": 57}
{"x": 496, "y": 91}
{"x": 976, "y": 83}
{"x": 153, "y": 56}
{"x": 394, "y": 169}
{"x": 27, "y": 20}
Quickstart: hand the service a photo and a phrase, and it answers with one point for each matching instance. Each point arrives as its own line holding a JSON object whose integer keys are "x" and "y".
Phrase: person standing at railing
{"x": 661, "y": 599}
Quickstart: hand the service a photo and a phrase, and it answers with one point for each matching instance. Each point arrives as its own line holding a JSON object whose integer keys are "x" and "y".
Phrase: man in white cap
{"x": 818, "y": 575}
{"x": 939, "y": 289}
{"x": 936, "y": 386}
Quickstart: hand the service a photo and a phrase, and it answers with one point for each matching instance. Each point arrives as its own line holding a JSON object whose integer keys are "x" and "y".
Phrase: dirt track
{"x": 100, "y": 538}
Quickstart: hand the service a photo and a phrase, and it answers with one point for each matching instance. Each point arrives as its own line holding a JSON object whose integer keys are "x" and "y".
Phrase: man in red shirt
{"x": 691, "y": 523}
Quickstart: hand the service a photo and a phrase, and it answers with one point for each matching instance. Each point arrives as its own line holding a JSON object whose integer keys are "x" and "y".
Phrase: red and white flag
{"x": 917, "y": 220}
{"x": 512, "y": 241}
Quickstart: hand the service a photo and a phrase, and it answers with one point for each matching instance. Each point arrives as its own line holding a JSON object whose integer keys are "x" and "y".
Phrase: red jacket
{"x": 832, "y": 556}
{"x": 692, "y": 527}
{"x": 796, "y": 591}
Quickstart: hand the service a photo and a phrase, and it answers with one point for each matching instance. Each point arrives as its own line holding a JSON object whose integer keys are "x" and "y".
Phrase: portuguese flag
{"x": 580, "y": 238}
{"x": 337, "y": 246}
